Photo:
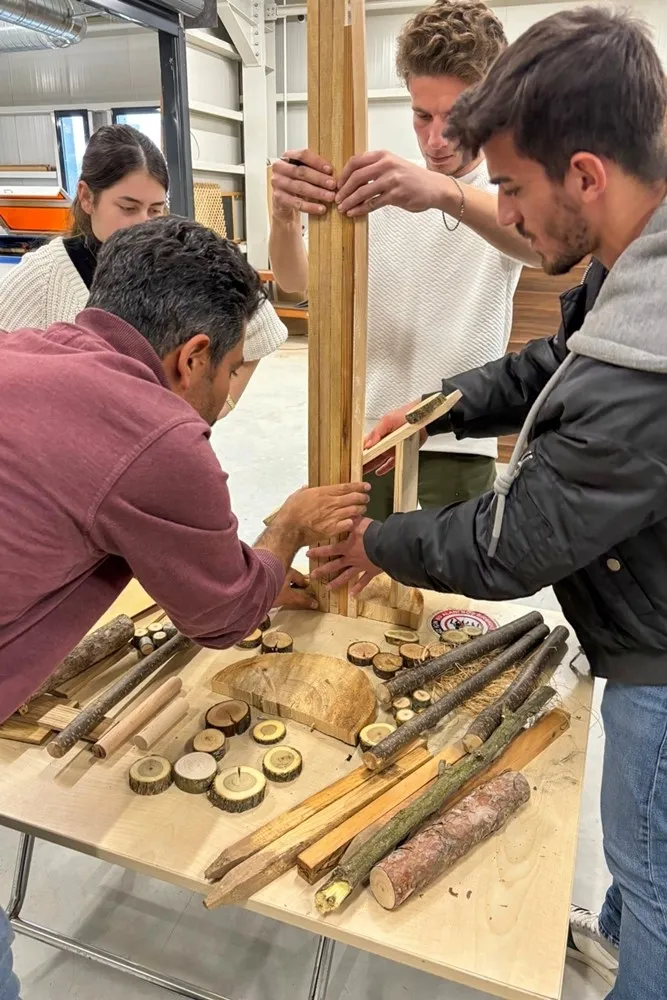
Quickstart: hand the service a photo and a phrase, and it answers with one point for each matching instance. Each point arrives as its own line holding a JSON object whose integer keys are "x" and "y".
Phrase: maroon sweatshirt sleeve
{"x": 168, "y": 514}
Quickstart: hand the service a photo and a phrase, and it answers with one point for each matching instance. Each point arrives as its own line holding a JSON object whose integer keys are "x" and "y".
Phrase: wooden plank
{"x": 407, "y": 430}
{"x": 406, "y": 488}
{"x": 294, "y": 817}
{"x": 278, "y": 857}
{"x": 321, "y": 856}
{"x": 44, "y": 716}
{"x": 337, "y": 292}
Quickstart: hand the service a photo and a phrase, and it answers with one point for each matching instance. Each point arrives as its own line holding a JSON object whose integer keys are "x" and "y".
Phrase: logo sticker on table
{"x": 452, "y": 618}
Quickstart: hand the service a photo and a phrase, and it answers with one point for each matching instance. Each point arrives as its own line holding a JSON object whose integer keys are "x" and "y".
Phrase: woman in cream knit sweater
{"x": 123, "y": 181}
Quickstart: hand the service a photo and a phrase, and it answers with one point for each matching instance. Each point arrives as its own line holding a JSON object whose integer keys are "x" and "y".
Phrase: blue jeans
{"x": 10, "y": 988}
{"x": 634, "y": 823}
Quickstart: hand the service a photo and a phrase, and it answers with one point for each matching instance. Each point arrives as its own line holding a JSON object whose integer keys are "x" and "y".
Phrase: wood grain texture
{"x": 46, "y": 715}
{"x": 290, "y": 819}
{"x": 278, "y": 857}
{"x": 406, "y": 490}
{"x": 321, "y": 856}
{"x": 136, "y": 717}
{"x": 324, "y": 692}
{"x": 479, "y": 942}
{"x": 408, "y": 430}
{"x": 165, "y": 720}
{"x": 375, "y": 603}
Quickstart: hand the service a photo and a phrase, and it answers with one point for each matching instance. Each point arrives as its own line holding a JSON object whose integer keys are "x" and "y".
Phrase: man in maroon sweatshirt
{"x": 106, "y": 470}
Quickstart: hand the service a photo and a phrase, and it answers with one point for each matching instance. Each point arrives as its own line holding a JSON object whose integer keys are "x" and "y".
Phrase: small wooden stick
{"x": 472, "y": 650}
{"x": 90, "y": 716}
{"x": 374, "y": 757}
{"x": 407, "y": 429}
{"x": 139, "y": 715}
{"x": 161, "y": 724}
{"x": 425, "y": 408}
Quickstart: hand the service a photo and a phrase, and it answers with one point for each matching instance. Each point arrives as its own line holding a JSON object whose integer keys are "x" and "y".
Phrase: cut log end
{"x": 471, "y": 743}
{"x": 268, "y": 732}
{"x": 397, "y": 636}
{"x": 361, "y": 654}
{"x": 232, "y": 717}
{"x": 282, "y": 764}
{"x": 371, "y": 735}
{"x": 332, "y": 896}
{"x": 251, "y": 641}
{"x": 211, "y": 741}
{"x": 386, "y": 665}
{"x": 413, "y": 654}
{"x": 194, "y": 772}
{"x": 238, "y": 789}
{"x": 382, "y": 889}
{"x": 277, "y": 642}
{"x": 150, "y": 775}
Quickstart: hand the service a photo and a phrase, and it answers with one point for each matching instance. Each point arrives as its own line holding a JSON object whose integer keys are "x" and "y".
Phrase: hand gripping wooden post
{"x": 338, "y": 294}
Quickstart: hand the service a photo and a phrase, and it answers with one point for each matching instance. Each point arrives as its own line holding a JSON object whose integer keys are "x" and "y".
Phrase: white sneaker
{"x": 586, "y": 943}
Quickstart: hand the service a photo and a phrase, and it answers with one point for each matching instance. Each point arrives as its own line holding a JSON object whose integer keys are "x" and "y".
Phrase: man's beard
{"x": 571, "y": 234}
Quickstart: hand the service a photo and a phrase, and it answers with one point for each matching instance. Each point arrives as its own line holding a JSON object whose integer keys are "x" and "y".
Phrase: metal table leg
{"x": 321, "y": 969}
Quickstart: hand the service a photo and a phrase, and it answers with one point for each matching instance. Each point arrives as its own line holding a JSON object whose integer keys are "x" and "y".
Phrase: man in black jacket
{"x": 571, "y": 118}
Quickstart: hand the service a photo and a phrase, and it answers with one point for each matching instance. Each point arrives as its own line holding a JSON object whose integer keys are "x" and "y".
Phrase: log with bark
{"x": 103, "y": 642}
{"x": 345, "y": 878}
{"x": 444, "y": 841}
{"x": 375, "y": 757}
{"x": 93, "y": 713}
{"x": 545, "y": 658}
{"x": 472, "y": 650}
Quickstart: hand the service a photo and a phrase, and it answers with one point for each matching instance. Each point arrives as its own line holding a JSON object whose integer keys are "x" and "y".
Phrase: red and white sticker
{"x": 452, "y": 618}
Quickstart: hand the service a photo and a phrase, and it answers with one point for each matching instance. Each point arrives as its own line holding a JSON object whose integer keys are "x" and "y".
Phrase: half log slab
{"x": 323, "y": 692}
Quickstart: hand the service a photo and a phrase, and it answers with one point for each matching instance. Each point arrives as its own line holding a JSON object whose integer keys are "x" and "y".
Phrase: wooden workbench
{"x": 498, "y": 922}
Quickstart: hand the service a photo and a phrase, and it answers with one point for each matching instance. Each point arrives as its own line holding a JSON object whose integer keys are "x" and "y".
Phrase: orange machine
{"x": 34, "y": 211}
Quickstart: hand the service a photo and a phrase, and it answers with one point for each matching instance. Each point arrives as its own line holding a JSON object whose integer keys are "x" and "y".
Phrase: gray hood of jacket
{"x": 626, "y": 327}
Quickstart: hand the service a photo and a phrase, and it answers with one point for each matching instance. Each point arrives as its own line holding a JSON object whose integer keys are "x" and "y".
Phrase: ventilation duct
{"x": 39, "y": 24}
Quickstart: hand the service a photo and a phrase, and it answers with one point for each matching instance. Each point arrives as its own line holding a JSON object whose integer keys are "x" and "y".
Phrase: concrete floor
{"x": 246, "y": 957}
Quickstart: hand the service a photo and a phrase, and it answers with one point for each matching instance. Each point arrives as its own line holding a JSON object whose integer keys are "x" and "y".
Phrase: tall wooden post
{"x": 338, "y": 252}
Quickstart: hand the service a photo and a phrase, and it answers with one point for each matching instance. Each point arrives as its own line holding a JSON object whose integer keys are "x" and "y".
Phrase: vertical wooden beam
{"x": 338, "y": 256}
{"x": 406, "y": 490}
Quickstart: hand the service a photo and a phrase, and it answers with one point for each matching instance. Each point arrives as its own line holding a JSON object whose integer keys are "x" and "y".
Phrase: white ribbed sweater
{"x": 439, "y": 303}
{"x": 46, "y": 288}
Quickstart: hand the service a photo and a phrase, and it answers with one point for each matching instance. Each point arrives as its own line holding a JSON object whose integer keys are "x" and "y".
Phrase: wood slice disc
{"x": 265, "y": 625}
{"x": 139, "y": 634}
{"x": 146, "y": 646}
{"x": 398, "y": 704}
{"x": 282, "y": 764}
{"x": 232, "y": 717}
{"x": 362, "y": 653}
{"x": 404, "y": 716}
{"x": 413, "y": 654}
{"x": 420, "y": 700}
{"x": 268, "y": 732}
{"x": 159, "y": 638}
{"x": 371, "y": 735}
{"x": 434, "y": 650}
{"x": 150, "y": 775}
{"x": 386, "y": 665}
{"x": 155, "y": 627}
{"x": 194, "y": 772}
{"x": 472, "y": 631}
{"x": 211, "y": 741}
{"x": 454, "y": 637}
{"x": 397, "y": 636}
{"x": 169, "y": 628}
{"x": 277, "y": 642}
{"x": 238, "y": 789}
{"x": 251, "y": 641}
{"x": 382, "y": 889}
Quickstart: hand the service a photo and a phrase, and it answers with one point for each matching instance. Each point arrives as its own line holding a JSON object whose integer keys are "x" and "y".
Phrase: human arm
{"x": 584, "y": 487}
{"x": 308, "y": 187}
{"x": 168, "y": 514}
{"x": 374, "y": 179}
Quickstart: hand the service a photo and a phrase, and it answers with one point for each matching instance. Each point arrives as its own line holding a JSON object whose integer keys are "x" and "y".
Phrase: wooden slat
{"x": 337, "y": 257}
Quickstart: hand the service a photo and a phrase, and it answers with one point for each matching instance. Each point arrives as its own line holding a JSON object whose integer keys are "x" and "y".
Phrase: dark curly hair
{"x": 460, "y": 38}
{"x": 172, "y": 278}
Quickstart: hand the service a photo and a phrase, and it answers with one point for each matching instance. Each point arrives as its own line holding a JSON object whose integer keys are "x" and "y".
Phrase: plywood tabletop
{"x": 498, "y": 922}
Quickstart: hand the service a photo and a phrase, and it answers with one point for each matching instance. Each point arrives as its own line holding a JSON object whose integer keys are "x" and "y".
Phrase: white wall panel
{"x": 213, "y": 80}
{"x": 214, "y": 140}
{"x": 36, "y": 140}
{"x": 9, "y": 143}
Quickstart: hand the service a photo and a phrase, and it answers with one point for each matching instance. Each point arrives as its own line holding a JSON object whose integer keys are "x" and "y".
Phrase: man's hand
{"x": 390, "y": 422}
{"x": 372, "y": 180}
{"x": 309, "y": 188}
{"x": 347, "y": 561}
{"x": 323, "y": 511}
{"x": 295, "y": 594}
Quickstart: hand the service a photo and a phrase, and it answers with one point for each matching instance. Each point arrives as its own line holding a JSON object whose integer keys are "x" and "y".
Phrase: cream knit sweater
{"x": 46, "y": 288}
{"x": 439, "y": 303}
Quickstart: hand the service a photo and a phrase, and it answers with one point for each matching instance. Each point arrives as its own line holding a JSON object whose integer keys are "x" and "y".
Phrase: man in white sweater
{"x": 442, "y": 272}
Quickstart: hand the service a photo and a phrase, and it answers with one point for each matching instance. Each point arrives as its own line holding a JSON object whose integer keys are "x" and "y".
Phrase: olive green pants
{"x": 444, "y": 478}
